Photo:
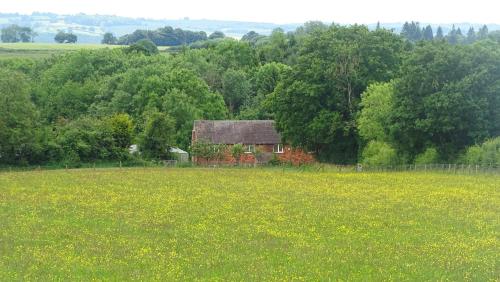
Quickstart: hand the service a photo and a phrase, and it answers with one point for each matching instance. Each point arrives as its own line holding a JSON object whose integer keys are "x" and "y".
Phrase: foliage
{"x": 330, "y": 89}
{"x": 109, "y": 39}
{"x": 144, "y": 46}
{"x": 122, "y": 130}
{"x": 65, "y": 37}
{"x": 374, "y": 117}
{"x": 235, "y": 89}
{"x": 429, "y": 156}
{"x": 378, "y": 153}
{"x": 165, "y": 36}
{"x": 158, "y": 136}
{"x": 208, "y": 151}
{"x": 487, "y": 153}
{"x": 15, "y": 33}
{"x": 18, "y": 118}
{"x": 216, "y": 35}
{"x": 316, "y": 105}
{"x": 447, "y": 98}
{"x": 237, "y": 151}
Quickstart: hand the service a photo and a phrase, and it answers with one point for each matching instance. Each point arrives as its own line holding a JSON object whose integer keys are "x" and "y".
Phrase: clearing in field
{"x": 251, "y": 224}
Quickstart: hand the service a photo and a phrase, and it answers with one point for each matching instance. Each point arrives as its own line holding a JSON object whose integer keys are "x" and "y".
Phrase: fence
{"x": 449, "y": 168}
{"x": 445, "y": 168}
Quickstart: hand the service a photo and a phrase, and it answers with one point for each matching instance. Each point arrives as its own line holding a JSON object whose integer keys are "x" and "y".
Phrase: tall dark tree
{"x": 109, "y": 39}
{"x": 65, "y": 37}
{"x": 15, "y": 33}
{"x": 428, "y": 34}
{"x": 483, "y": 32}
{"x": 17, "y": 118}
{"x": 471, "y": 35}
{"x": 216, "y": 35}
{"x": 447, "y": 98}
{"x": 412, "y": 31}
{"x": 439, "y": 34}
{"x": 452, "y": 36}
{"x": 315, "y": 106}
{"x": 158, "y": 136}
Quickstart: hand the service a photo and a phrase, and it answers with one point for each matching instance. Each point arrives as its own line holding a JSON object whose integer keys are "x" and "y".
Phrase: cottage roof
{"x": 237, "y": 131}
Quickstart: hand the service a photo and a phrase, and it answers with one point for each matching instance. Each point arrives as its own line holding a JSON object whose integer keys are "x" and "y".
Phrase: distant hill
{"x": 90, "y": 28}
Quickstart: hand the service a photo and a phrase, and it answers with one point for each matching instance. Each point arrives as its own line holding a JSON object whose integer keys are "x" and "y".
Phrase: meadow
{"x": 248, "y": 224}
{"x": 44, "y": 50}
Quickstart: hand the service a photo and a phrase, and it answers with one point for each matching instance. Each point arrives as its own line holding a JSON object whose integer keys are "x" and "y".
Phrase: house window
{"x": 250, "y": 149}
{"x": 278, "y": 148}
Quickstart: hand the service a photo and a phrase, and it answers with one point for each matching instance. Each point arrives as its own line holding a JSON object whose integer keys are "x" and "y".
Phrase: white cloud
{"x": 278, "y": 11}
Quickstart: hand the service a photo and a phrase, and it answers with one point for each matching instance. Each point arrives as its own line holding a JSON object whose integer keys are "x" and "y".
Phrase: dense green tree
{"x": 471, "y": 35}
{"x": 158, "y": 136}
{"x": 447, "y": 98}
{"x": 65, "y": 37}
{"x": 165, "y": 36}
{"x": 265, "y": 80}
{"x": 15, "y": 33}
{"x": 122, "y": 129}
{"x": 439, "y": 34}
{"x": 487, "y": 153}
{"x": 378, "y": 153}
{"x": 376, "y": 106}
{"x": 252, "y": 37}
{"x": 427, "y": 33}
{"x": 87, "y": 139}
{"x": 109, "y": 39}
{"x": 217, "y": 35}
{"x": 275, "y": 48}
{"x": 483, "y": 32}
{"x": 235, "y": 89}
{"x": 144, "y": 46}
{"x": 315, "y": 106}
{"x": 412, "y": 31}
{"x": 17, "y": 119}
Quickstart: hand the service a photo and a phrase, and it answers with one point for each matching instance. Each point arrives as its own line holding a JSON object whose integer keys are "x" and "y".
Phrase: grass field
{"x": 42, "y": 50}
{"x": 248, "y": 224}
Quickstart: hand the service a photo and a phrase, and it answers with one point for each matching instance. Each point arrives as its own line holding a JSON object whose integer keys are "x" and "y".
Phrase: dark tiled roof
{"x": 237, "y": 131}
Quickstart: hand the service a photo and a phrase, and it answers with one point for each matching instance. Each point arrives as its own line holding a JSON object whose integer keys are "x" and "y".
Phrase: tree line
{"x": 346, "y": 93}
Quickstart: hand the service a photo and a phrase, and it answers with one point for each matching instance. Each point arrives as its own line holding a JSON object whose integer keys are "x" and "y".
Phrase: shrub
{"x": 379, "y": 153}
{"x": 487, "y": 153}
{"x": 237, "y": 151}
{"x": 429, "y": 156}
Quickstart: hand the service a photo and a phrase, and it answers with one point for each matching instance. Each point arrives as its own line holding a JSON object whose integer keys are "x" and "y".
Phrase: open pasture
{"x": 248, "y": 224}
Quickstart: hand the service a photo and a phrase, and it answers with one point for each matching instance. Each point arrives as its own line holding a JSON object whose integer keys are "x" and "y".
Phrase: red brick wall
{"x": 289, "y": 155}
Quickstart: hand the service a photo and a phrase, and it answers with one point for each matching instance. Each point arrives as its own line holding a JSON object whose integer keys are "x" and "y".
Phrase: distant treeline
{"x": 165, "y": 36}
{"x": 414, "y": 33}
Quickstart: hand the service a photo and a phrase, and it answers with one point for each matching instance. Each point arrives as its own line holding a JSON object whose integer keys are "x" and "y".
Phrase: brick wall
{"x": 264, "y": 154}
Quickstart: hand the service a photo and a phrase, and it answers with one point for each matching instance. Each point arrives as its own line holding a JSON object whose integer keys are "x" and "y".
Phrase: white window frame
{"x": 278, "y": 149}
{"x": 249, "y": 149}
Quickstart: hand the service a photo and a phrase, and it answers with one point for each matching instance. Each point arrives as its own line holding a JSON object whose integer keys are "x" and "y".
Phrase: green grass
{"x": 248, "y": 224}
{"x": 43, "y": 50}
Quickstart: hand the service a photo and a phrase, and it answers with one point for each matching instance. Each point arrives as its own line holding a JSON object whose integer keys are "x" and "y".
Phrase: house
{"x": 259, "y": 138}
{"x": 179, "y": 155}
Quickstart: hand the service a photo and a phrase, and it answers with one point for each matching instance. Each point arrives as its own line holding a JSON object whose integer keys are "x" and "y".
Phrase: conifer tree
{"x": 471, "y": 35}
{"x": 428, "y": 34}
{"x": 439, "y": 33}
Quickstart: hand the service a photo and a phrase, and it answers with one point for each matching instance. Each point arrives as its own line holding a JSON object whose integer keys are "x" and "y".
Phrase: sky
{"x": 275, "y": 11}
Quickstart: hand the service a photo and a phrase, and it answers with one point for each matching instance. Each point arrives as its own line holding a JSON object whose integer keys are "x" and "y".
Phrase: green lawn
{"x": 248, "y": 224}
